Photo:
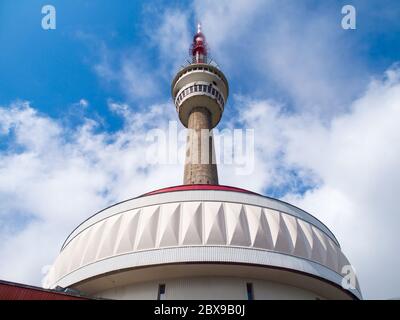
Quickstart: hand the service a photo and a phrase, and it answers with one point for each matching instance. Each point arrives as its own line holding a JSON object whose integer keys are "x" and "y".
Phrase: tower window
{"x": 195, "y": 88}
{"x": 209, "y": 89}
{"x": 161, "y": 292}
{"x": 191, "y": 89}
{"x": 250, "y": 291}
{"x": 213, "y": 92}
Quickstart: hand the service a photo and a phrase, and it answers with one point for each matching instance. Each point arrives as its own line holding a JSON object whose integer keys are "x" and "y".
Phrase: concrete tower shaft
{"x": 200, "y": 166}
{"x": 200, "y": 91}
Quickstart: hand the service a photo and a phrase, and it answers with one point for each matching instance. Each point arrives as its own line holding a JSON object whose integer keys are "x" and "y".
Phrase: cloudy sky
{"x": 76, "y": 104}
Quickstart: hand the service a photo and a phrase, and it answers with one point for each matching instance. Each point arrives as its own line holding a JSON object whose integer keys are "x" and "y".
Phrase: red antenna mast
{"x": 198, "y": 49}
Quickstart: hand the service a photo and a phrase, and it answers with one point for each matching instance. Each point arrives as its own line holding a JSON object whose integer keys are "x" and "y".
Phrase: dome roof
{"x": 202, "y": 224}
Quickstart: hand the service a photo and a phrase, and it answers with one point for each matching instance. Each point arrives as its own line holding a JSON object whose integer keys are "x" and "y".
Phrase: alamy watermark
{"x": 49, "y": 21}
{"x": 349, "y": 21}
{"x": 349, "y": 281}
{"x": 231, "y": 147}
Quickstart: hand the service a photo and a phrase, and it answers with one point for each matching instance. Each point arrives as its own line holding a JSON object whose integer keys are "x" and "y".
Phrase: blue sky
{"x": 75, "y": 103}
{"x": 54, "y": 69}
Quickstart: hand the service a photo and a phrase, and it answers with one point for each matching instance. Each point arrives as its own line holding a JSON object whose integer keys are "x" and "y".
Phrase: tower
{"x": 200, "y": 91}
{"x": 201, "y": 240}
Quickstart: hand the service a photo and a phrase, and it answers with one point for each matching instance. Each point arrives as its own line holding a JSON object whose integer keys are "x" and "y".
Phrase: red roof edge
{"x": 18, "y": 291}
{"x": 190, "y": 187}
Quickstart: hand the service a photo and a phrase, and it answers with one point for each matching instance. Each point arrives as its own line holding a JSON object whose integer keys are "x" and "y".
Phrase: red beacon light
{"x": 198, "y": 49}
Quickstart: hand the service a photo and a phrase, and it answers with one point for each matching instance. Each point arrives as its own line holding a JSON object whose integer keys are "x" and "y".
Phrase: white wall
{"x": 208, "y": 288}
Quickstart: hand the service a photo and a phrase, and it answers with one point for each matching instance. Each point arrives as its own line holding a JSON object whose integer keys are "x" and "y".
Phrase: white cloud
{"x": 280, "y": 48}
{"x": 133, "y": 70}
{"x": 236, "y": 24}
{"x": 52, "y": 178}
{"x": 172, "y": 38}
{"x": 352, "y": 162}
{"x": 136, "y": 81}
{"x": 128, "y": 70}
{"x": 83, "y": 103}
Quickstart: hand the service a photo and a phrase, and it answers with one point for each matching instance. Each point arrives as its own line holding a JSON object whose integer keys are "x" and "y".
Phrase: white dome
{"x": 199, "y": 226}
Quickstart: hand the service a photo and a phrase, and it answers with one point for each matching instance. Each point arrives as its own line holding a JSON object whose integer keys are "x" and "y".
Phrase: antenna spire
{"x": 198, "y": 49}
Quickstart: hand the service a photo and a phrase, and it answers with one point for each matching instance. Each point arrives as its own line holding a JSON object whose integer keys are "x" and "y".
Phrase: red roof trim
{"x": 190, "y": 187}
{"x": 17, "y": 291}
